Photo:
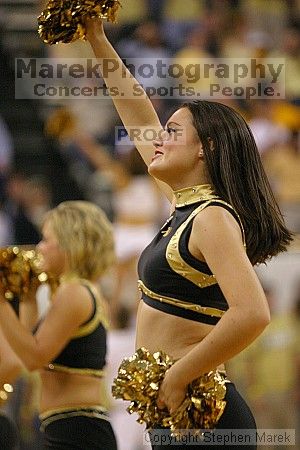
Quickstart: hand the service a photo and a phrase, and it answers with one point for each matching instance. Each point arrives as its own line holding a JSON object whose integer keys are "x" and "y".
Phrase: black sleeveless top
{"x": 85, "y": 353}
{"x": 171, "y": 279}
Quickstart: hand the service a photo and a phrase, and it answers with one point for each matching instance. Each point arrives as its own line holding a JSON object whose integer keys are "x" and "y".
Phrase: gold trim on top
{"x": 206, "y": 310}
{"x": 89, "y": 327}
{"x": 179, "y": 265}
{"x": 100, "y": 303}
{"x": 99, "y": 316}
{"x": 75, "y": 370}
{"x": 194, "y": 194}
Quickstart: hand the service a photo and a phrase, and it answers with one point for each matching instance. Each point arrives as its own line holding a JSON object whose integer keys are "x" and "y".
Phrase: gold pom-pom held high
{"x": 63, "y": 20}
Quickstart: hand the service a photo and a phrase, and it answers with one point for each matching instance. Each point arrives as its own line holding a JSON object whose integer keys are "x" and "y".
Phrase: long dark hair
{"x": 237, "y": 174}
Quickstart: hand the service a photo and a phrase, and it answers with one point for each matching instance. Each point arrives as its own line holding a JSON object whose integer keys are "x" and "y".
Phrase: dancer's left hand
{"x": 172, "y": 391}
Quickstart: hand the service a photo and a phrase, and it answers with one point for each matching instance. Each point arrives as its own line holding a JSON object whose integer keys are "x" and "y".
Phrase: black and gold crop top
{"x": 86, "y": 351}
{"x": 171, "y": 279}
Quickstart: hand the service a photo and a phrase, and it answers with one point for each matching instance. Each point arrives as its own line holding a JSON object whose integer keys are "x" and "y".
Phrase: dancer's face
{"x": 178, "y": 154}
{"x": 53, "y": 256}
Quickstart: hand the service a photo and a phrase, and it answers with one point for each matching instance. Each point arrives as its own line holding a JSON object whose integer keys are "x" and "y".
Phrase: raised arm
{"x": 136, "y": 112}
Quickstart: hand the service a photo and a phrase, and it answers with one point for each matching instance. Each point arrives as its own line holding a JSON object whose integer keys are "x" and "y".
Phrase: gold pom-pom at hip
{"x": 63, "y": 20}
{"x": 139, "y": 379}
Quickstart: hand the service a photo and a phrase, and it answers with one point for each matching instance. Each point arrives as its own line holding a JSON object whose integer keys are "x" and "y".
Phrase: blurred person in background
{"x": 289, "y": 49}
{"x": 136, "y": 203}
{"x": 265, "y": 371}
{"x": 283, "y": 169}
{"x": 121, "y": 342}
{"x": 29, "y": 197}
{"x": 9, "y": 438}
{"x": 271, "y": 15}
{"x": 267, "y": 132}
{"x": 6, "y": 156}
{"x": 11, "y": 367}
{"x": 146, "y": 47}
{"x": 137, "y": 206}
{"x": 179, "y": 18}
{"x": 297, "y": 358}
{"x": 283, "y": 164}
{"x": 195, "y": 49}
{"x": 65, "y": 127}
{"x": 68, "y": 345}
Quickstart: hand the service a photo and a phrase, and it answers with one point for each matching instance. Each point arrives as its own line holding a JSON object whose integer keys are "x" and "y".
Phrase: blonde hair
{"x": 86, "y": 235}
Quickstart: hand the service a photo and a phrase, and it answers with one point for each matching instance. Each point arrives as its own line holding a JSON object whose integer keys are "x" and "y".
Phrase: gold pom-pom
{"x": 20, "y": 270}
{"x": 63, "y": 20}
{"x": 139, "y": 379}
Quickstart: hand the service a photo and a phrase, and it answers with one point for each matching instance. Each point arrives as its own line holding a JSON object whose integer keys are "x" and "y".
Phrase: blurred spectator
{"x": 146, "y": 41}
{"x": 84, "y": 108}
{"x": 136, "y": 202}
{"x": 155, "y": 10}
{"x": 297, "y": 360}
{"x": 6, "y": 237}
{"x": 121, "y": 344}
{"x": 63, "y": 125}
{"x": 8, "y": 433}
{"x": 28, "y": 198}
{"x": 271, "y": 15}
{"x": 133, "y": 12}
{"x": 265, "y": 371}
{"x": 194, "y": 50}
{"x": 217, "y": 16}
{"x": 143, "y": 51}
{"x": 23, "y": 409}
{"x": 139, "y": 208}
{"x": 180, "y": 17}
{"x": 235, "y": 42}
{"x": 283, "y": 169}
{"x": 6, "y": 155}
{"x": 289, "y": 49}
{"x": 190, "y": 29}
{"x": 267, "y": 133}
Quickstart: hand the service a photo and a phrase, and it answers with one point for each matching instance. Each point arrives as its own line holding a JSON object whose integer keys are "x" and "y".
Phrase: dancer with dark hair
{"x": 202, "y": 302}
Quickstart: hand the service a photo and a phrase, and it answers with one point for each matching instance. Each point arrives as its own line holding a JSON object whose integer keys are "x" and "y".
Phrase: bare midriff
{"x": 158, "y": 331}
{"x": 64, "y": 389}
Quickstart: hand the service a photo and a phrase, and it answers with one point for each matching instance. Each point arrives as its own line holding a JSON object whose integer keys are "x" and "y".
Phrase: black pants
{"x": 237, "y": 416}
{"x": 79, "y": 433}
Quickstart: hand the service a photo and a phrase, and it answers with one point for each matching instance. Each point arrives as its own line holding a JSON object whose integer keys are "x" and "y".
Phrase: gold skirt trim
{"x": 64, "y": 412}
